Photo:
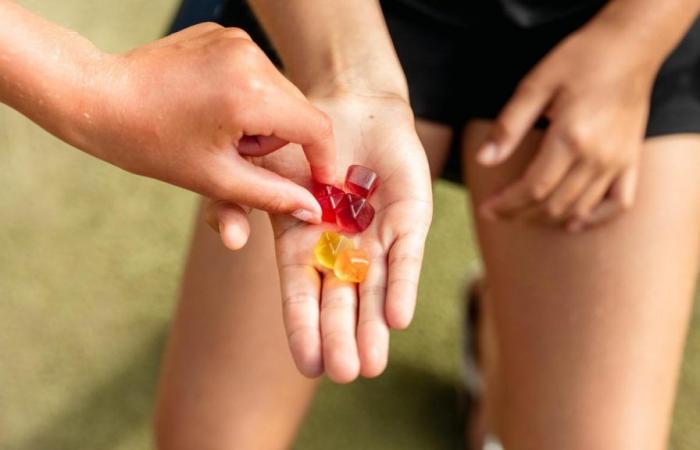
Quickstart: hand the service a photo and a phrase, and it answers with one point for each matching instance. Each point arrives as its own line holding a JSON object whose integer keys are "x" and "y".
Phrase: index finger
{"x": 296, "y": 120}
{"x": 284, "y": 113}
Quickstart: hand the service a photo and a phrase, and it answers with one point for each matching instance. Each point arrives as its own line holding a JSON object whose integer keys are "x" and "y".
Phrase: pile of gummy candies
{"x": 353, "y": 213}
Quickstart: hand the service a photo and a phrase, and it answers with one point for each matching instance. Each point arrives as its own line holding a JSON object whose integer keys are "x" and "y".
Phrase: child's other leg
{"x": 228, "y": 380}
{"x": 590, "y": 327}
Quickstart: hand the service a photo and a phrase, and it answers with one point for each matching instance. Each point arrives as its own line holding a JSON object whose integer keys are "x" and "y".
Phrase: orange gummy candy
{"x": 351, "y": 265}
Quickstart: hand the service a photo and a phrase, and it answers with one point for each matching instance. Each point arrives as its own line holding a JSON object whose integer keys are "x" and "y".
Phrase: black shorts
{"x": 463, "y": 61}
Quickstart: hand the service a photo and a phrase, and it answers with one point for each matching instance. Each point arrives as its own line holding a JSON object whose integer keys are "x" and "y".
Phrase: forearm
{"x": 45, "y": 70}
{"x": 654, "y": 27}
{"x": 333, "y": 44}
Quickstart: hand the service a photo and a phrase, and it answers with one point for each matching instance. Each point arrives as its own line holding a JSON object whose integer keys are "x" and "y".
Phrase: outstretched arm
{"x": 187, "y": 109}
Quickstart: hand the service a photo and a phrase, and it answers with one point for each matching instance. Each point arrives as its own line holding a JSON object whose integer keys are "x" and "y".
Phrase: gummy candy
{"x": 328, "y": 197}
{"x": 351, "y": 265}
{"x": 353, "y": 213}
{"x": 329, "y": 246}
{"x": 361, "y": 181}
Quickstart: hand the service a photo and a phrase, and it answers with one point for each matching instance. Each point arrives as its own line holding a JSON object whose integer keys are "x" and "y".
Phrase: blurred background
{"x": 89, "y": 264}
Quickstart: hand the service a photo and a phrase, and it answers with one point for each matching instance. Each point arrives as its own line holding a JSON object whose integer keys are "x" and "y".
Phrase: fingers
{"x": 545, "y": 173}
{"x": 404, "y": 264}
{"x": 372, "y": 329}
{"x": 590, "y": 199}
{"x": 236, "y": 180}
{"x": 292, "y": 119}
{"x": 230, "y": 221}
{"x": 188, "y": 33}
{"x": 621, "y": 198}
{"x": 301, "y": 285}
{"x": 520, "y": 114}
{"x": 574, "y": 184}
{"x": 338, "y": 318}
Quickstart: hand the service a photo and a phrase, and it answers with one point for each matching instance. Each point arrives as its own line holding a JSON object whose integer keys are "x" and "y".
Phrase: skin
{"x": 189, "y": 109}
{"x": 594, "y": 88}
{"x": 326, "y": 330}
{"x": 233, "y": 352}
{"x": 586, "y": 331}
{"x": 595, "y": 335}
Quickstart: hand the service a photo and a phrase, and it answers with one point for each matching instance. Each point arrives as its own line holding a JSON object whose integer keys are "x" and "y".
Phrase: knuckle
{"x": 274, "y": 204}
{"x": 252, "y": 85}
{"x": 627, "y": 203}
{"x": 539, "y": 189}
{"x": 503, "y": 130}
{"x": 240, "y": 52}
{"x": 298, "y": 299}
{"x": 405, "y": 259}
{"x": 233, "y": 33}
{"x": 208, "y": 26}
{"x": 373, "y": 291}
{"x": 529, "y": 87}
{"x": 576, "y": 138}
{"x": 324, "y": 126}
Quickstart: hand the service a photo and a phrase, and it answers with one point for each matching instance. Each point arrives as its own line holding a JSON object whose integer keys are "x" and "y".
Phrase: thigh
{"x": 437, "y": 141}
{"x": 228, "y": 380}
{"x": 590, "y": 327}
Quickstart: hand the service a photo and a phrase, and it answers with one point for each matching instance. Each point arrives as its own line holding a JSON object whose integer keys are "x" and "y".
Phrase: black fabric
{"x": 524, "y": 13}
{"x": 530, "y": 13}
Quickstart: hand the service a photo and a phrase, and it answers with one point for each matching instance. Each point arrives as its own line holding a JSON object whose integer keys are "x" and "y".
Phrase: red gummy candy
{"x": 361, "y": 181}
{"x": 354, "y": 213}
{"x": 328, "y": 197}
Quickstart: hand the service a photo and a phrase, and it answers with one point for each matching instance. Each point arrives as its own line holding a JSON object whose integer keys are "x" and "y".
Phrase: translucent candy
{"x": 329, "y": 245}
{"x": 353, "y": 213}
{"x": 328, "y": 197}
{"x": 361, "y": 181}
{"x": 351, "y": 265}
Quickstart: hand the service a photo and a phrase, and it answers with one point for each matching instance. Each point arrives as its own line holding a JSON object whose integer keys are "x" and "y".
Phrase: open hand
{"x": 339, "y": 327}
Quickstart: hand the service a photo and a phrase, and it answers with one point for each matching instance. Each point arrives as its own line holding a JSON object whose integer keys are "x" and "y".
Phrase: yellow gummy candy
{"x": 351, "y": 265}
{"x": 329, "y": 246}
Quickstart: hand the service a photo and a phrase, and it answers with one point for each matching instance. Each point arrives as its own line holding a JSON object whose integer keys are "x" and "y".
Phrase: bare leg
{"x": 589, "y": 328}
{"x": 228, "y": 380}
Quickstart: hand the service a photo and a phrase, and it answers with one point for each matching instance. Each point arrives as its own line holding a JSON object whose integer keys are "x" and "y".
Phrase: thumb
{"x": 515, "y": 120}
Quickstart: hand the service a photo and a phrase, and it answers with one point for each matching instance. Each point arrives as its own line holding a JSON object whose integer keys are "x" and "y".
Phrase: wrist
{"x": 646, "y": 31}
{"x": 90, "y": 103}
{"x": 338, "y": 77}
{"x": 625, "y": 47}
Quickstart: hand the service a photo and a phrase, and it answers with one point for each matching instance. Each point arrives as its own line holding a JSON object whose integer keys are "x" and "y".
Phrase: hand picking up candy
{"x": 353, "y": 213}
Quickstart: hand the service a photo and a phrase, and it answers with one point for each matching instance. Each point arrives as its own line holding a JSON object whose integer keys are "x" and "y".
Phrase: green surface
{"x": 89, "y": 264}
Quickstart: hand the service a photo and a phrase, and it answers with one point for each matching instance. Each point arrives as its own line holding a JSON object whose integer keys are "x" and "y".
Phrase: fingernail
{"x": 488, "y": 153}
{"x": 304, "y": 215}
